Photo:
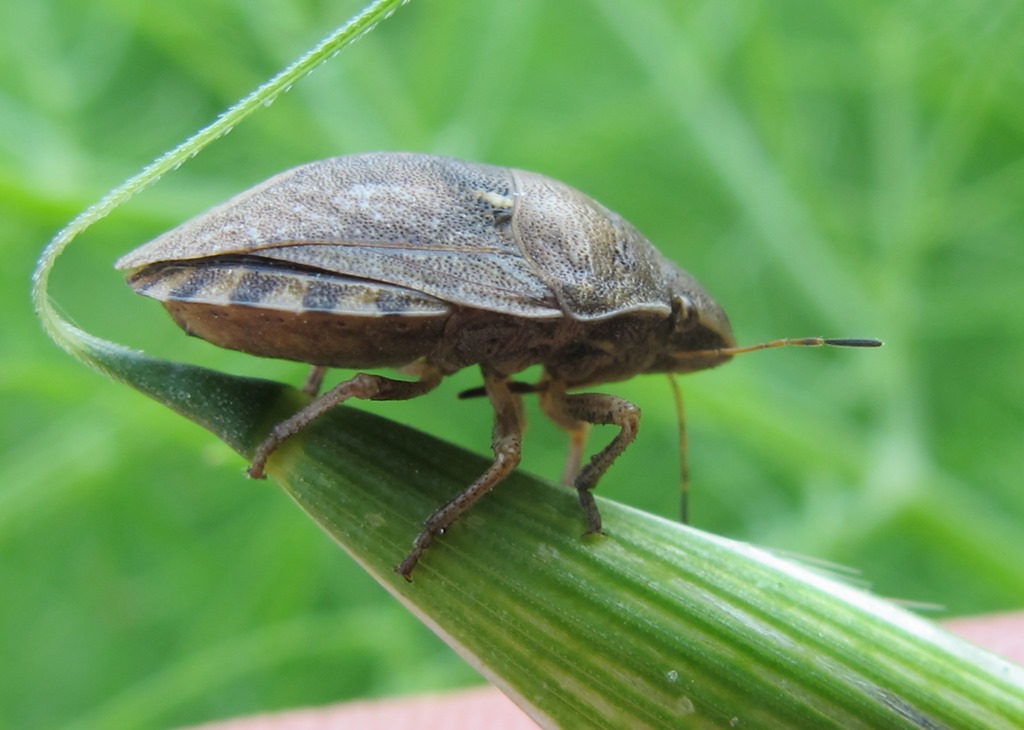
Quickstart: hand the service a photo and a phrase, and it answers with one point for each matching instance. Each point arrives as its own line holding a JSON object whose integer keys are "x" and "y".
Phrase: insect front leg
{"x": 364, "y": 386}
{"x": 601, "y": 409}
{"x": 506, "y": 442}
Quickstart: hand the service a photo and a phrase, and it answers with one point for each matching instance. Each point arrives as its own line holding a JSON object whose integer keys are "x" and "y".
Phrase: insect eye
{"x": 685, "y": 314}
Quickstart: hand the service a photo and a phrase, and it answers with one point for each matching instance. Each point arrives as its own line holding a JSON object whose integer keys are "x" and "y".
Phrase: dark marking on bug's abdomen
{"x": 389, "y": 302}
{"x": 195, "y": 283}
{"x": 321, "y": 296}
{"x": 253, "y": 288}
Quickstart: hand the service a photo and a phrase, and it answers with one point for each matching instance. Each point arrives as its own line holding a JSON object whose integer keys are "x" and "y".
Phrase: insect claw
{"x": 255, "y": 470}
{"x": 406, "y": 567}
{"x": 422, "y": 542}
{"x": 590, "y": 511}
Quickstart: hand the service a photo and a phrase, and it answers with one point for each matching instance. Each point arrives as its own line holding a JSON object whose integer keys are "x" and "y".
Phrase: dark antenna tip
{"x": 853, "y": 342}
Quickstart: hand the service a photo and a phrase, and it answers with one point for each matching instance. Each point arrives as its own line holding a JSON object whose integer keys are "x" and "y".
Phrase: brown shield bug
{"x": 431, "y": 264}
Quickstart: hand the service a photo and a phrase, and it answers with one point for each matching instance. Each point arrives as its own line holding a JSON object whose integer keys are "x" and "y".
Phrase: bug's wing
{"x": 595, "y": 261}
{"x": 429, "y": 224}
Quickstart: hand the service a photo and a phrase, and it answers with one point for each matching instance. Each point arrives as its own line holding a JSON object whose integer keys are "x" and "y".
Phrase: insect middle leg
{"x": 506, "y": 442}
{"x": 582, "y": 410}
{"x": 363, "y": 386}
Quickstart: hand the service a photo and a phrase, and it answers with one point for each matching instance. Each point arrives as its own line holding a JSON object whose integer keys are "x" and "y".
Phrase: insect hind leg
{"x": 363, "y": 386}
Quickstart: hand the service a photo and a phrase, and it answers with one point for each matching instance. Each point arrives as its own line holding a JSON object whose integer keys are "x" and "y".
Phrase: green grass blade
{"x": 643, "y": 627}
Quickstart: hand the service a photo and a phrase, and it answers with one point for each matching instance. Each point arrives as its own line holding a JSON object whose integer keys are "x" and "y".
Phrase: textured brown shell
{"x": 444, "y": 230}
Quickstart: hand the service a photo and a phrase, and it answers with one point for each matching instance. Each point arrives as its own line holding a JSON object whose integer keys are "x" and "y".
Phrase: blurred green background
{"x": 846, "y": 169}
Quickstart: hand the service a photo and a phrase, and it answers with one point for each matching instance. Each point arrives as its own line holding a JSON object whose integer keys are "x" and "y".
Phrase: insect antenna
{"x": 684, "y": 461}
{"x": 684, "y": 452}
{"x": 786, "y": 342}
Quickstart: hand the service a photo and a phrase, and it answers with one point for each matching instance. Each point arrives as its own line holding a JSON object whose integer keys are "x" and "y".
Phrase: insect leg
{"x": 314, "y": 380}
{"x": 553, "y": 403}
{"x": 506, "y": 442}
{"x": 363, "y": 385}
{"x": 577, "y": 445}
{"x": 601, "y": 409}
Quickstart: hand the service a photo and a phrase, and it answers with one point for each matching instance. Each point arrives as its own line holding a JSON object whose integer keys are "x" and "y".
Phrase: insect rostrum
{"x": 403, "y": 260}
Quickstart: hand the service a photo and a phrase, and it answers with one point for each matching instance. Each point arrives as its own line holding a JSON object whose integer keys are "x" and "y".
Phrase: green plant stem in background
{"x": 651, "y": 625}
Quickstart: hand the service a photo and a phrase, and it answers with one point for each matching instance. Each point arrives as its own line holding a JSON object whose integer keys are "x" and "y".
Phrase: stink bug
{"x": 431, "y": 264}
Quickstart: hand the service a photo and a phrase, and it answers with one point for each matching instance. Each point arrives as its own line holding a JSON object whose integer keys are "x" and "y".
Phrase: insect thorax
{"x": 576, "y": 352}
